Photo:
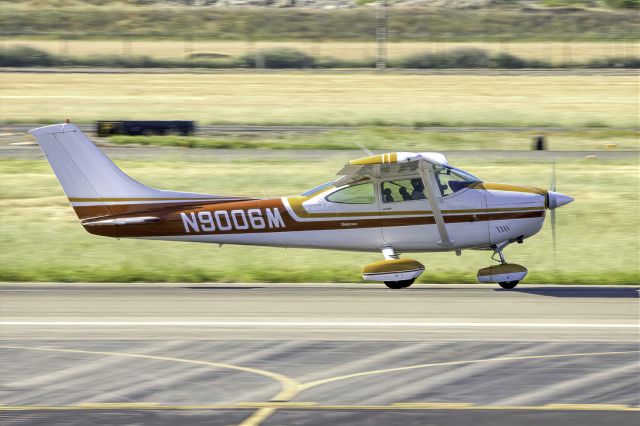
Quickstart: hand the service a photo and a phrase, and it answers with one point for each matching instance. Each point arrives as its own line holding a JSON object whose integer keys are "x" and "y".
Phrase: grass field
{"x": 389, "y": 138}
{"x": 311, "y": 98}
{"x": 552, "y": 52}
{"x": 41, "y": 240}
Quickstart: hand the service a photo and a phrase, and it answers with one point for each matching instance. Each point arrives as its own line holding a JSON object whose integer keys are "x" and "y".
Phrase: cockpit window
{"x": 398, "y": 190}
{"x": 317, "y": 189}
{"x": 355, "y": 194}
{"x": 451, "y": 180}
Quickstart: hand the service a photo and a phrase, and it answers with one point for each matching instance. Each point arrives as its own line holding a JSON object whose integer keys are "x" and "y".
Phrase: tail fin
{"x": 95, "y": 186}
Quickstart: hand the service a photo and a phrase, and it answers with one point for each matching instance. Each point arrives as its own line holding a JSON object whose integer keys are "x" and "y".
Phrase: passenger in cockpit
{"x": 418, "y": 189}
{"x": 405, "y": 194}
{"x": 388, "y": 198}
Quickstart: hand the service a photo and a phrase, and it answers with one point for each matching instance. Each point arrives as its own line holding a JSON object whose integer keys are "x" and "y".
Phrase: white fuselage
{"x": 476, "y": 218}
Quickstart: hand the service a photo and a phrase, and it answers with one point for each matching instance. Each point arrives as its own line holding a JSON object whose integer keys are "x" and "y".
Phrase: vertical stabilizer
{"x": 94, "y": 184}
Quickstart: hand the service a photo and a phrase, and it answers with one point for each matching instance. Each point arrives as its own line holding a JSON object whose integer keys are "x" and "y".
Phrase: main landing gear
{"x": 507, "y": 275}
{"x": 397, "y": 285}
{"x": 394, "y": 272}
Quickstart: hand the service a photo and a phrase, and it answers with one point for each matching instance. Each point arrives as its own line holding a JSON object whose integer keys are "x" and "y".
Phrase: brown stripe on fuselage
{"x": 171, "y": 224}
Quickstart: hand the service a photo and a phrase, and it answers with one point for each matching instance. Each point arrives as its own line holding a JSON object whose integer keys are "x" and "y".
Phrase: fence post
{"x": 381, "y": 34}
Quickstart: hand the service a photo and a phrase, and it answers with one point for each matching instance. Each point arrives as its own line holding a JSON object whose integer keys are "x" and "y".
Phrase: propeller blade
{"x": 553, "y": 230}
{"x": 552, "y": 186}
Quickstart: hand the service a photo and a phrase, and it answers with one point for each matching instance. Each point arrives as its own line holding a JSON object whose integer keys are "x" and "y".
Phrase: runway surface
{"x": 282, "y": 354}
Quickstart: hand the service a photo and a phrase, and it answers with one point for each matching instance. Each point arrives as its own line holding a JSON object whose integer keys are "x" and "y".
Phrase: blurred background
{"x": 279, "y": 93}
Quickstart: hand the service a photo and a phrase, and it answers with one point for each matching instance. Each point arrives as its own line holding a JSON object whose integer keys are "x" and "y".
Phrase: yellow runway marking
{"x": 314, "y": 406}
{"x": 291, "y": 388}
{"x": 315, "y": 383}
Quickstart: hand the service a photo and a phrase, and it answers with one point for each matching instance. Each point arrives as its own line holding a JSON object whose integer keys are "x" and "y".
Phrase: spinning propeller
{"x": 555, "y": 200}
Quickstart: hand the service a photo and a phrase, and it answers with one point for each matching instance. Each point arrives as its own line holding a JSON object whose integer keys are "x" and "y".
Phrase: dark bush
{"x": 457, "y": 58}
{"x": 329, "y": 62}
{"x": 507, "y": 60}
{"x": 118, "y": 61}
{"x": 626, "y": 62}
{"x": 25, "y": 56}
{"x": 279, "y": 58}
{"x": 624, "y": 4}
{"x": 469, "y": 58}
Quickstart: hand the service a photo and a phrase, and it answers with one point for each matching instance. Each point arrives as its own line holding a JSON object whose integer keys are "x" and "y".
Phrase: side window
{"x": 356, "y": 194}
{"x": 394, "y": 191}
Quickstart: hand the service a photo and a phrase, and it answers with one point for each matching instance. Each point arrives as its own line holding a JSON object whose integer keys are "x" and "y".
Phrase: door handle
{"x": 386, "y": 208}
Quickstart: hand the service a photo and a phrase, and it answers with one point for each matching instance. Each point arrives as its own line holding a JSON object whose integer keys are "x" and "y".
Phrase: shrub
{"x": 507, "y": 60}
{"x": 626, "y": 62}
{"x": 457, "y": 58}
{"x": 624, "y": 4}
{"x": 279, "y": 58}
{"x": 25, "y": 56}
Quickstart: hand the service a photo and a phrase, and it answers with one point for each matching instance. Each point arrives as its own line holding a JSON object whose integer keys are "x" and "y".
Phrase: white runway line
{"x": 349, "y": 324}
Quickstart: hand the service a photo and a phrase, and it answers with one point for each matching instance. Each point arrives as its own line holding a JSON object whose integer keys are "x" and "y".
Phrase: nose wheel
{"x": 507, "y": 275}
{"x": 507, "y": 285}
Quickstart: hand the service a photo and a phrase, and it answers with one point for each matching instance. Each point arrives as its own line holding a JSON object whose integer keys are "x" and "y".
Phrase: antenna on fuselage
{"x": 365, "y": 149}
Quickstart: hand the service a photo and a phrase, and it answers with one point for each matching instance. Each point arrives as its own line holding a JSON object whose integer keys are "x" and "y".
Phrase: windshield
{"x": 451, "y": 180}
{"x": 317, "y": 189}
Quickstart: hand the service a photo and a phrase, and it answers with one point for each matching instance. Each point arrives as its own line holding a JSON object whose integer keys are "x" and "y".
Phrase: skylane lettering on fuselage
{"x": 225, "y": 220}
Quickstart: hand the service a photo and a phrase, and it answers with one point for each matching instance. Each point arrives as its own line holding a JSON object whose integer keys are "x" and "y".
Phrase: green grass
{"x": 41, "y": 240}
{"x": 362, "y": 98}
{"x": 386, "y": 138}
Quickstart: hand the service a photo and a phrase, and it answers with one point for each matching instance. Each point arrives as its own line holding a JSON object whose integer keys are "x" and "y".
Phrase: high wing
{"x": 425, "y": 163}
{"x": 391, "y": 162}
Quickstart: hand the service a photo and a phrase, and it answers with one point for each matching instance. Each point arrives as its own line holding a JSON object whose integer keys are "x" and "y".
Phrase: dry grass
{"x": 341, "y": 98}
{"x": 553, "y": 52}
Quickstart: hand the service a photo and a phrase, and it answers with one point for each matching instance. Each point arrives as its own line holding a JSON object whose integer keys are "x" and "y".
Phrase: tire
{"x": 396, "y": 285}
{"x": 508, "y": 284}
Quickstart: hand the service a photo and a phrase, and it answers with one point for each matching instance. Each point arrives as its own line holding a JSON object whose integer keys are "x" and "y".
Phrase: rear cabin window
{"x": 356, "y": 194}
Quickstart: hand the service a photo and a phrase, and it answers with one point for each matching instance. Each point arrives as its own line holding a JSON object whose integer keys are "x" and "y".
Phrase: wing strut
{"x": 428, "y": 178}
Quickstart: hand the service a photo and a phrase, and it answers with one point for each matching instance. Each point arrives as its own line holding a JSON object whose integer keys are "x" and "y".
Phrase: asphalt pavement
{"x": 289, "y": 354}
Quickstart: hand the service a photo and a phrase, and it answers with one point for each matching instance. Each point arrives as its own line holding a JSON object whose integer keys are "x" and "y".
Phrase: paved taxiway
{"x": 277, "y": 354}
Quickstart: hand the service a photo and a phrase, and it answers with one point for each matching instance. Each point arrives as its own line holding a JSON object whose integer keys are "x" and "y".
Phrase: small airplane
{"x": 389, "y": 203}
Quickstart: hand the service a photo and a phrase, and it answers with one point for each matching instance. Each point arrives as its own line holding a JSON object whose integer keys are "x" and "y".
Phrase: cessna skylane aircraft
{"x": 390, "y": 203}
